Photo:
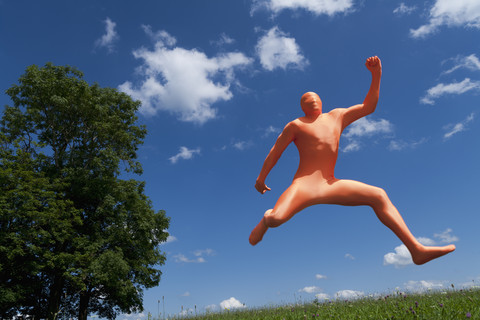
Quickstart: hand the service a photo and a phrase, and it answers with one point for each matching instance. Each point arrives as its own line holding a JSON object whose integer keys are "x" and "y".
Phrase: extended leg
{"x": 352, "y": 193}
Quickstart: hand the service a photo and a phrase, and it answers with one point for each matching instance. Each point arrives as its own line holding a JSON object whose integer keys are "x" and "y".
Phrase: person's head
{"x": 311, "y": 104}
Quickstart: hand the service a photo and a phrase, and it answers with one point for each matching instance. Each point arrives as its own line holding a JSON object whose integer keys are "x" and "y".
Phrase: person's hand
{"x": 261, "y": 187}
{"x": 374, "y": 65}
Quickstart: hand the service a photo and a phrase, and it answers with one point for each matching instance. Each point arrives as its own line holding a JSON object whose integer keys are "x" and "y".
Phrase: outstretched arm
{"x": 281, "y": 144}
{"x": 374, "y": 65}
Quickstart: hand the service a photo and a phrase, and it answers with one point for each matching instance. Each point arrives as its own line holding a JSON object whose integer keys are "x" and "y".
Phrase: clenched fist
{"x": 374, "y": 64}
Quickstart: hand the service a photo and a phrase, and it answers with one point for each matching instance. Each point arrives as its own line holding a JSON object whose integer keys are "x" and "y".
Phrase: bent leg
{"x": 259, "y": 231}
{"x": 293, "y": 200}
{"x": 353, "y": 193}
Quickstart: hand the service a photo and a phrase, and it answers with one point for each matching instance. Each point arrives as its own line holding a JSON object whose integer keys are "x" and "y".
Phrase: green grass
{"x": 445, "y": 304}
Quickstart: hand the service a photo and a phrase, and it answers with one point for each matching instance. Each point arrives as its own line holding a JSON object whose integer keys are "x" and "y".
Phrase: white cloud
{"x": 473, "y": 283}
{"x": 400, "y": 258}
{"x": 186, "y": 294}
{"x": 211, "y": 307}
{"x": 224, "y": 39}
{"x": 364, "y": 127}
{"x": 231, "y": 303}
{"x": 271, "y": 130}
{"x": 182, "y": 258}
{"x": 446, "y": 237}
{"x": 206, "y": 252}
{"x": 184, "y": 154}
{"x": 317, "y": 7}
{"x": 242, "y": 145}
{"x": 186, "y": 312}
{"x": 322, "y": 296}
{"x": 320, "y": 276}
{"x": 349, "y": 256}
{"x": 311, "y": 289}
{"x": 171, "y": 238}
{"x": 397, "y": 145}
{"x": 181, "y": 81}
{"x": 199, "y": 256}
{"x": 403, "y": 9}
{"x": 449, "y": 88}
{"x": 132, "y": 316}
{"x": 458, "y": 127}
{"x": 276, "y": 50}
{"x": 108, "y": 39}
{"x": 349, "y": 294}
{"x": 470, "y": 62}
{"x": 426, "y": 241}
{"x": 450, "y": 13}
{"x": 352, "y": 146}
{"x": 161, "y": 36}
{"x": 422, "y": 285}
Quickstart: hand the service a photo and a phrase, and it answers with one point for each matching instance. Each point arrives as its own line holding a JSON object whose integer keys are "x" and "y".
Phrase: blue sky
{"x": 218, "y": 81}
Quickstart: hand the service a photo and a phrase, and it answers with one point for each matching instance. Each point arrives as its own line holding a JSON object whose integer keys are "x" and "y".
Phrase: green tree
{"x": 75, "y": 239}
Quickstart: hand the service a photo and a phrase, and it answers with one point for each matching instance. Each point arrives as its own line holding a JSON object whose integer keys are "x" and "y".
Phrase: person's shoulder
{"x": 292, "y": 126}
{"x": 295, "y": 124}
{"x": 337, "y": 111}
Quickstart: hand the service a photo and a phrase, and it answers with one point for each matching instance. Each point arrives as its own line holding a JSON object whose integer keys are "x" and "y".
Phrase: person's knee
{"x": 273, "y": 220}
{"x": 381, "y": 197}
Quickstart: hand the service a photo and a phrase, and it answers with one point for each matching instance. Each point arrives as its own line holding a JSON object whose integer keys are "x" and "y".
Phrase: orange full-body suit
{"x": 317, "y": 136}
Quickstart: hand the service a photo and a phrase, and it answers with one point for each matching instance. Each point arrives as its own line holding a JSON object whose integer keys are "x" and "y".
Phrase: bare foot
{"x": 258, "y": 232}
{"x": 426, "y": 254}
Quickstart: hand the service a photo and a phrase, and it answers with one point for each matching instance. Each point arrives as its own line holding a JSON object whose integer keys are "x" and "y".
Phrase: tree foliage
{"x": 75, "y": 239}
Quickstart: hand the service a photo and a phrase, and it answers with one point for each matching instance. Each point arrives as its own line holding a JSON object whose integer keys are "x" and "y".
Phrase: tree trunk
{"x": 55, "y": 296}
{"x": 83, "y": 308}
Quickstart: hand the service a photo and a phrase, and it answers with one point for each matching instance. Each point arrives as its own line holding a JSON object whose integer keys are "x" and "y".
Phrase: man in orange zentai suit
{"x": 317, "y": 136}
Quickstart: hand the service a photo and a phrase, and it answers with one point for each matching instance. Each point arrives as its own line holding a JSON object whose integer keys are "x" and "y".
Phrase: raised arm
{"x": 374, "y": 65}
{"x": 283, "y": 140}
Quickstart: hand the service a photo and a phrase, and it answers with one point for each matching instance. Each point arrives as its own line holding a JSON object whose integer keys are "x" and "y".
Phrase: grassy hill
{"x": 433, "y": 305}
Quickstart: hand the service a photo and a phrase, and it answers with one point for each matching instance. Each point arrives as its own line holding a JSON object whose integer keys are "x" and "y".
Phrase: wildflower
{"x": 416, "y": 304}
{"x": 468, "y": 315}
{"x": 441, "y": 305}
